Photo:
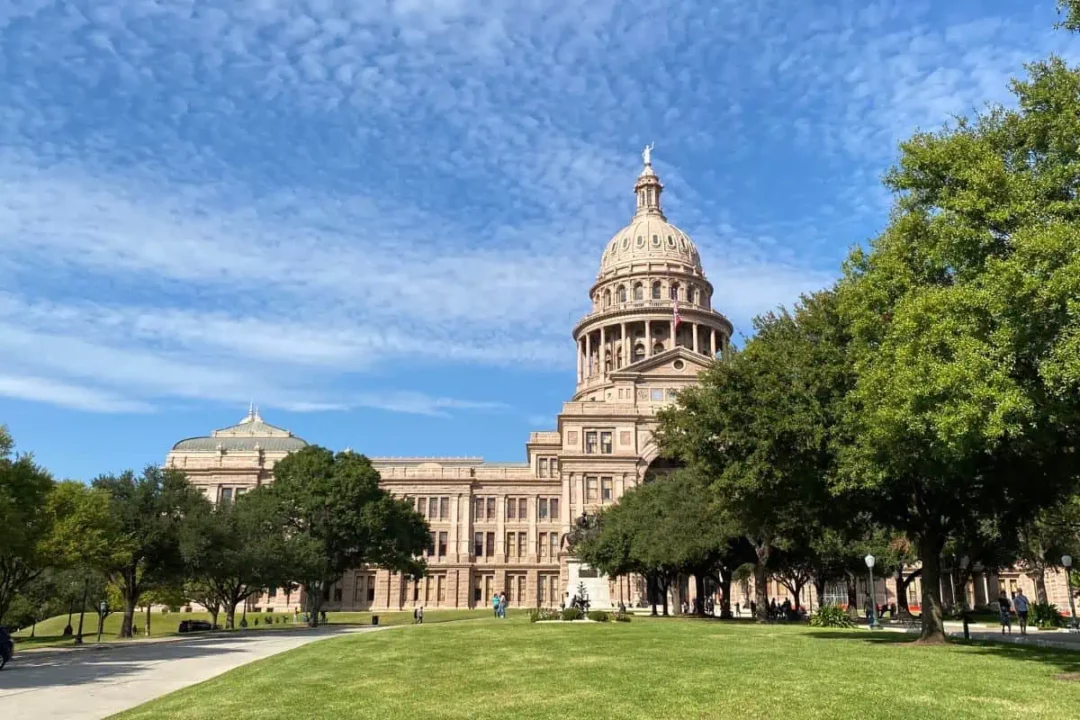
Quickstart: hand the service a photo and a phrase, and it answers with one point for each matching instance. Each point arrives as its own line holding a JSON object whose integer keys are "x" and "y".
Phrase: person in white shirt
{"x": 1020, "y": 604}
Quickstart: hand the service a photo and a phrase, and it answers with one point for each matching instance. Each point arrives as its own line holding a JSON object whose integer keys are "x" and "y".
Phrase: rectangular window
{"x": 510, "y": 588}
{"x": 605, "y": 443}
{"x": 491, "y": 508}
{"x": 415, "y": 590}
{"x": 433, "y": 508}
{"x": 442, "y": 544}
{"x": 511, "y": 546}
{"x": 478, "y": 544}
{"x": 605, "y": 489}
{"x": 478, "y": 508}
{"x": 478, "y": 590}
{"x": 358, "y": 589}
{"x": 226, "y": 496}
{"x": 523, "y": 508}
{"x": 431, "y": 544}
{"x": 554, "y": 467}
{"x": 543, "y": 468}
{"x": 656, "y": 395}
{"x": 541, "y": 588}
{"x": 490, "y": 544}
{"x": 553, "y": 539}
{"x": 542, "y": 509}
{"x": 427, "y": 590}
{"x": 511, "y": 509}
{"x": 371, "y": 588}
{"x": 590, "y": 442}
{"x": 542, "y": 545}
{"x": 553, "y": 588}
{"x": 444, "y": 508}
{"x": 554, "y": 508}
{"x": 522, "y": 541}
{"x": 440, "y": 584}
{"x": 590, "y": 489}
{"x": 521, "y": 589}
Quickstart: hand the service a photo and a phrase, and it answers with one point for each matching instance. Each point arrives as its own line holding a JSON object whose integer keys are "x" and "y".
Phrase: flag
{"x": 677, "y": 318}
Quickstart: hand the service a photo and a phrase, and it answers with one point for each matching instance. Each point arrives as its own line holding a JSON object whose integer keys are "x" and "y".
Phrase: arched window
{"x": 639, "y": 292}
{"x": 607, "y": 298}
{"x": 656, "y": 290}
{"x": 674, "y": 291}
{"x": 657, "y": 348}
{"x": 639, "y": 352}
{"x": 697, "y": 296}
{"x": 620, "y": 294}
{"x": 618, "y": 356}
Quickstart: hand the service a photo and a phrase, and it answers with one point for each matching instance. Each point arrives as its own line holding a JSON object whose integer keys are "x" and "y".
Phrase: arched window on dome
{"x": 695, "y": 295}
{"x": 674, "y": 291}
{"x": 620, "y": 294}
{"x": 607, "y": 298}
{"x": 656, "y": 290}
{"x": 618, "y": 357}
{"x": 639, "y": 352}
{"x": 658, "y": 347}
{"x": 639, "y": 291}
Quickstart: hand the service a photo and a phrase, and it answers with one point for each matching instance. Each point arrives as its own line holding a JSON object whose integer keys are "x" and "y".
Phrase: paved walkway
{"x": 1058, "y": 639}
{"x": 99, "y": 681}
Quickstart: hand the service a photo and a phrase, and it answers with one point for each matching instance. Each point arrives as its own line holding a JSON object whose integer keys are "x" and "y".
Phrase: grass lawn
{"x": 49, "y": 633}
{"x": 649, "y": 668}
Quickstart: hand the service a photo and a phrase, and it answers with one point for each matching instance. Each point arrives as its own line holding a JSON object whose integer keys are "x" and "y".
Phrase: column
{"x": 712, "y": 341}
{"x": 588, "y": 354}
{"x": 648, "y": 338}
{"x": 603, "y": 350}
{"x": 625, "y": 344}
{"x": 671, "y": 322}
{"x": 694, "y": 327}
{"x": 579, "y": 378}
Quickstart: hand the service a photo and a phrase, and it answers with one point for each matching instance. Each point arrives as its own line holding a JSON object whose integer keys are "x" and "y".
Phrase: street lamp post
{"x": 873, "y": 602}
{"x": 1066, "y": 560}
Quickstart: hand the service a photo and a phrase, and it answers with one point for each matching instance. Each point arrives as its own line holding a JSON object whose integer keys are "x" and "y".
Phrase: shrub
{"x": 599, "y": 615}
{"x": 831, "y": 616}
{"x": 621, "y": 617}
{"x": 572, "y": 614}
{"x": 1045, "y": 616}
{"x": 538, "y": 614}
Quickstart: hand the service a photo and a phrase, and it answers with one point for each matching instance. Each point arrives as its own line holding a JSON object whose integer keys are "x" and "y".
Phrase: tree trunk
{"x": 664, "y": 587}
{"x": 33, "y": 628}
{"x": 1040, "y": 583}
{"x": 147, "y": 619}
{"x": 230, "y": 616}
{"x": 127, "y": 625}
{"x": 852, "y": 596}
{"x": 761, "y": 579}
{"x": 699, "y": 580}
{"x": 798, "y": 594}
{"x": 819, "y": 589}
{"x": 725, "y": 601}
{"x": 933, "y": 628}
{"x": 902, "y": 590}
{"x": 214, "y": 615}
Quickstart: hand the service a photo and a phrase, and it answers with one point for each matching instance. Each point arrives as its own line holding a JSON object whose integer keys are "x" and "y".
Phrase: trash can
{"x": 374, "y": 619}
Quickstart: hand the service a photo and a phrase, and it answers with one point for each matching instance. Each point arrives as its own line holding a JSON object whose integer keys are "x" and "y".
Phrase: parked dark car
{"x": 187, "y": 626}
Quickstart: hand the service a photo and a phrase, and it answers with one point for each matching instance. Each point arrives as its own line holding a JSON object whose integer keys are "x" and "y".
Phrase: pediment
{"x": 664, "y": 363}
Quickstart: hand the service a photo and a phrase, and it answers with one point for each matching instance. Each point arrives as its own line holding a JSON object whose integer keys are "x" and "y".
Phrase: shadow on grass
{"x": 1067, "y": 661}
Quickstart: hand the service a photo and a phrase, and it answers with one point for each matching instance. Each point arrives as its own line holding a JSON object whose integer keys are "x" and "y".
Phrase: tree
{"x": 25, "y": 523}
{"x": 966, "y": 350}
{"x": 337, "y": 517}
{"x": 1071, "y": 11}
{"x": 151, "y": 510}
{"x": 201, "y": 592}
{"x": 761, "y": 427}
{"x": 237, "y": 549}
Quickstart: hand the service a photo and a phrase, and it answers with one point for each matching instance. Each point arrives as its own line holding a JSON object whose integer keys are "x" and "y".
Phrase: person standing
{"x": 738, "y": 610}
{"x": 502, "y": 604}
{"x": 415, "y": 615}
{"x": 495, "y": 604}
{"x": 868, "y": 608}
{"x": 1020, "y": 602}
{"x": 1005, "y": 609}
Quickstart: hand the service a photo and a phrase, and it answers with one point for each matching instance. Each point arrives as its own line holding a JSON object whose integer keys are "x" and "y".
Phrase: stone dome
{"x": 649, "y": 236}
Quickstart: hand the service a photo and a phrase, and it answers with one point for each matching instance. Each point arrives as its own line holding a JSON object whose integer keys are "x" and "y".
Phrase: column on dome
{"x": 603, "y": 350}
{"x": 625, "y": 344}
{"x": 588, "y": 353}
{"x": 579, "y": 375}
{"x": 648, "y": 338}
{"x": 694, "y": 327}
{"x": 712, "y": 341}
{"x": 672, "y": 336}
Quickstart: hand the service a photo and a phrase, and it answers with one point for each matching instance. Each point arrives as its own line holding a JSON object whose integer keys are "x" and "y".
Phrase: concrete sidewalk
{"x": 100, "y": 681}
{"x": 1057, "y": 639}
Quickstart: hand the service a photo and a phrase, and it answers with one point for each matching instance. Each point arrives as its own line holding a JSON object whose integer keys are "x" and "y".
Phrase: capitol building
{"x": 502, "y": 526}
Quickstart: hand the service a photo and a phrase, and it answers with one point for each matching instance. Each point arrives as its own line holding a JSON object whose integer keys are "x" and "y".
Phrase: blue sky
{"x": 379, "y": 220}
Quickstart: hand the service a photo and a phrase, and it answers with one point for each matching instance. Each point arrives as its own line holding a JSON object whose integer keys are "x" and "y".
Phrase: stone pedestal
{"x": 596, "y": 585}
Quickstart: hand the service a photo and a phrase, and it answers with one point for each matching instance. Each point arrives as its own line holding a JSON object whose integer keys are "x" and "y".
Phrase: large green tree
{"x": 151, "y": 511}
{"x": 1070, "y": 11}
{"x": 964, "y": 314}
{"x": 338, "y": 517}
{"x": 236, "y": 549}
{"x": 25, "y": 523}
{"x": 761, "y": 427}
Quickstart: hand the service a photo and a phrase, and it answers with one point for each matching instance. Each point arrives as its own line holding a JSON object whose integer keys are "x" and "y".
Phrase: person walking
{"x": 738, "y": 610}
{"x": 1020, "y": 602}
{"x": 1005, "y": 609}
{"x": 420, "y": 615}
{"x": 415, "y": 615}
{"x": 502, "y": 604}
{"x": 495, "y": 604}
{"x": 868, "y": 608}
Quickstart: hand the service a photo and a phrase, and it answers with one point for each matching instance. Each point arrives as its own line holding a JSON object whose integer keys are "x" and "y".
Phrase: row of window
{"x": 544, "y": 465}
{"x": 547, "y": 589}
{"x": 433, "y": 508}
{"x": 599, "y": 489}
{"x": 436, "y": 545}
{"x": 599, "y": 442}
{"x": 516, "y": 509}
{"x": 434, "y": 586}
{"x": 691, "y": 294}
{"x": 227, "y": 494}
{"x": 547, "y": 545}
